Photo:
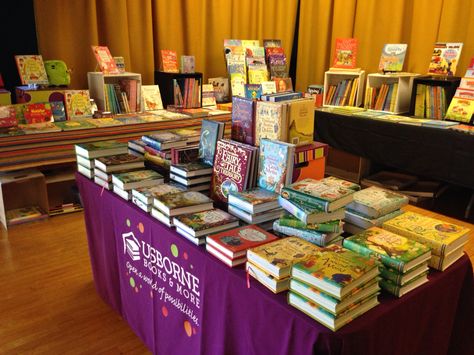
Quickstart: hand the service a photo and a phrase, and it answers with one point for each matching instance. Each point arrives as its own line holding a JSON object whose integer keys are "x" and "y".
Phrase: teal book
{"x": 307, "y": 214}
{"x": 254, "y": 201}
{"x": 328, "y": 227}
{"x": 320, "y": 239}
{"x": 393, "y": 250}
{"x": 211, "y": 132}
{"x": 399, "y": 278}
{"x": 399, "y": 291}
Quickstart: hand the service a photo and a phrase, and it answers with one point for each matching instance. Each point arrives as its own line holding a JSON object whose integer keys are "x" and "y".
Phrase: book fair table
{"x": 180, "y": 300}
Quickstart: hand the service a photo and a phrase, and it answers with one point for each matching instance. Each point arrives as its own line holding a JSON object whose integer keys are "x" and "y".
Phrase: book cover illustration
{"x": 274, "y": 171}
{"x": 393, "y": 56}
{"x": 119, "y": 159}
{"x": 255, "y": 196}
{"x": 243, "y": 120}
{"x": 460, "y": 109}
{"x": 192, "y": 166}
{"x": 336, "y": 266}
{"x": 188, "y": 64}
{"x": 102, "y": 145}
{"x": 345, "y": 53}
{"x": 445, "y": 58}
{"x": 283, "y": 84}
{"x": 25, "y": 213}
{"x": 268, "y": 87}
{"x": 58, "y": 110}
{"x": 151, "y": 97}
{"x": 183, "y": 199}
{"x": 231, "y": 167}
{"x": 31, "y": 69}
{"x": 221, "y": 88}
{"x": 73, "y": 125}
{"x": 169, "y": 61}
{"x": 157, "y": 191}
{"x": 105, "y": 60}
{"x": 163, "y": 137}
{"x": 41, "y": 127}
{"x": 138, "y": 175}
{"x": 391, "y": 249}
{"x": 270, "y": 121}
{"x": 38, "y": 112}
{"x": 208, "y": 96}
{"x": 242, "y": 238}
{"x": 8, "y": 116}
{"x": 78, "y": 104}
{"x": 210, "y": 133}
{"x": 253, "y": 91}
{"x": 287, "y": 220}
{"x": 318, "y": 189}
{"x": 301, "y": 122}
{"x": 378, "y": 201}
{"x": 206, "y": 219}
{"x": 430, "y": 231}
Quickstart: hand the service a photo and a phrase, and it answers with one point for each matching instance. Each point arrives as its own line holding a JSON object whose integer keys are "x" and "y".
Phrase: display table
{"x": 441, "y": 154}
{"x": 180, "y": 300}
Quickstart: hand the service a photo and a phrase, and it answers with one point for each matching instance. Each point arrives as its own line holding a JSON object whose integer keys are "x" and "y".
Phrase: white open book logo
{"x": 131, "y": 246}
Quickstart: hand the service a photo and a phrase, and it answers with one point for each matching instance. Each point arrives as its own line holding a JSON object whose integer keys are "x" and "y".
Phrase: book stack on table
{"x": 371, "y": 207}
{"x": 334, "y": 286}
{"x": 104, "y": 167}
{"x": 404, "y": 261}
{"x": 157, "y": 149}
{"x": 144, "y": 197}
{"x": 124, "y": 182}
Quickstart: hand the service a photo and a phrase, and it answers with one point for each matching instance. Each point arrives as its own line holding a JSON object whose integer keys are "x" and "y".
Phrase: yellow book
{"x": 393, "y": 98}
{"x": 381, "y": 97}
{"x": 428, "y": 103}
{"x": 368, "y": 97}
{"x": 440, "y": 236}
{"x": 301, "y": 121}
{"x": 355, "y": 86}
{"x": 277, "y": 258}
{"x": 420, "y": 100}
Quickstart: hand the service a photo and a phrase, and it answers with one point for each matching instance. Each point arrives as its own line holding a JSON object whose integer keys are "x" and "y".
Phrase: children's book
{"x": 100, "y": 149}
{"x": 164, "y": 140}
{"x": 78, "y": 104}
{"x": 182, "y": 202}
{"x": 151, "y": 97}
{"x": 288, "y": 220}
{"x": 211, "y": 132}
{"x": 137, "y": 178}
{"x": 460, "y": 109}
{"x": 275, "y": 165}
{"x": 73, "y": 125}
{"x": 188, "y": 64}
{"x": 445, "y": 58}
{"x": 119, "y": 162}
{"x": 345, "y": 53}
{"x": 393, "y": 56}
{"x": 169, "y": 61}
{"x": 254, "y": 201}
{"x": 243, "y": 120}
{"x": 301, "y": 122}
{"x": 205, "y": 222}
{"x": 38, "y": 112}
{"x": 105, "y": 60}
{"x": 31, "y": 69}
{"x": 317, "y": 238}
{"x": 58, "y": 110}
{"x": 148, "y": 194}
{"x": 271, "y": 121}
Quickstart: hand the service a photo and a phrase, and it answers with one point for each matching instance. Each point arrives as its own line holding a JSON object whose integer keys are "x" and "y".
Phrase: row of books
{"x": 383, "y": 98}
{"x": 430, "y": 101}
{"x": 461, "y": 107}
{"x": 187, "y": 92}
{"x": 122, "y": 97}
{"x": 343, "y": 94}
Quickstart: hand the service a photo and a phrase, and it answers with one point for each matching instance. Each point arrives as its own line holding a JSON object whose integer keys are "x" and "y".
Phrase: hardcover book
{"x": 188, "y": 64}
{"x": 271, "y": 121}
{"x": 301, "y": 122}
{"x": 38, "y": 112}
{"x": 31, "y": 69}
{"x": 254, "y": 200}
{"x": 374, "y": 202}
{"x": 253, "y": 91}
{"x": 365, "y": 222}
{"x": 164, "y": 140}
{"x": 393, "y": 250}
{"x": 267, "y": 216}
{"x": 399, "y": 291}
{"x": 222, "y": 257}
{"x": 440, "y": 236}
{"x": 138, "y": 178}
{"x": 211, "y": 132}
{"x": 105, "y": 60}
{"x": 235, "y": 242}
{"x": 334, "y": 226}
{"x": 119, "y": 162}
{"x": 169, "y": 61}
{"x": 41, "y": 127}
{"x": 278, "y": 257}
{"x": 335, "y": 270}
{"x": 319, "y": 238}
{"x": 460, "y": 109}
{"x": 182, "y": 202}
{"x": 393, "y": 56}
{"x": 196, "y": 168}
{"x": 151, "y": 98}
{"x": 401, "y": 279}
{"x": 243, "y": 120}
{"x": 205, "y": 222}
{"x": 147, "y": 194}
{"x": 309, "y": 214}
{"x": 78, "y": 104}
{"x": 58, "y": 110}
{"x": 345, "y": 53}
{"x": 275, "y": 165}
{"x": 269, "y": 281}
{"x": 100, "y": 149}
{"x": 445, "y": 58}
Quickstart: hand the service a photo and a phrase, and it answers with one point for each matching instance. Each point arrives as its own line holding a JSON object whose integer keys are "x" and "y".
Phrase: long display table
{"x": 180, "y": 300}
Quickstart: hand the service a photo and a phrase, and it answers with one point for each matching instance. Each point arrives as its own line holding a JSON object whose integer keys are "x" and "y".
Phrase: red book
{"x": 234, "y": 243}
{"x": 169, "y": 61}
{"x": 105, "y": 60}
{"x": 37, "y": 113}
{"x": 345, "y": 53}
{"x": 8, "y": 116}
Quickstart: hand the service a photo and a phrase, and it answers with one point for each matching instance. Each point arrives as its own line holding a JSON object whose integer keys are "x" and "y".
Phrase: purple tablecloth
{"x": 180, "y": 300}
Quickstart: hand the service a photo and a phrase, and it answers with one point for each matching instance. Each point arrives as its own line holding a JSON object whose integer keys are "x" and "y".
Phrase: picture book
{"x": 221, "y": 88}
{"x": 345, "y": 53}
{"x": 151, "y": 98}
{"x": 317, "y": 238}
{"x": 174, "y": 203}
{"x": 164, "y": 140}
{"x": 271, "y": 43}
{"x": 283, "y": 84}
{"x": 232, "y": 165}
{"x": 445, "y": 58}
{"x": 235, "y": 242}
{"x": 374, "y": 202}
{"x": 254, "y": 200}
{"x": 137, "y": 178}
{"x": 73, "y": 125}
{"x": 8, "y": 116}
{"x": 147, "y": 194}
{"x": 275, "y": 168}
{"x": 169, "y": 61}
{"x": 208, "y": 96}
{"x": 58, "y": 110}
{"x": 309, "y": 214}
{"x": 205, "y": 222}
{"x": 31, "y": 69}
{"x": 442, "y": 237}
{"x": 120, "y": 63}
{"x": 365, "y": 222}
{"x": 78, "y": 104}
{"x": 335, "y": 270}
{"x": 268, "y": 87}
{"x": 24, "y": 214}
{"x": 460, "y": 109}
{"x": 119, "y": 162}
{"x": 243, "y": 120}
{"x": 289, "y": 220}
{"x": 99, "y": 149}
{"x": 38, "y": 112}
{"x": 393, "y": 56}
{"x": 188, "y": 64}
{"x": 393, "y": 250}
{"x": 301, "y": 121}
{"x": 211, "y": 132}
{"x": 253, "y": 91}
{"x": 257, "y": 73}
{"x": 41, "y": 127}
{"x": 103, "y": 122}
{"x": 129, "y": 120}
{"x": 271, "y": 121}
{"x": 278, "y": 257}
{"x": 105, "y": 60}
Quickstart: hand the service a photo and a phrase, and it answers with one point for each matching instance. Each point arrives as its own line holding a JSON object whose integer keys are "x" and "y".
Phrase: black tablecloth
{"x": 441, "y": 154}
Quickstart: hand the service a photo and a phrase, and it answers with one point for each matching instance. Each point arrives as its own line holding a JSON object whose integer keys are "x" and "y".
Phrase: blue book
{"x": 57, "y": 108}
{"x": 283, "y": 96}
{"x": 211, "y": 132}
{"x": 275, "y": 168}
{"x": 253, "y": 91}
{"x": 314, "y": 237}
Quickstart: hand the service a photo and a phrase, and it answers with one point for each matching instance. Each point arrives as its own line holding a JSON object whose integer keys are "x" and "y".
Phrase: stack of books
{"x": 231, "y": 246}
{"x": 136, "y": 147}
{"x": 143, "y": 196}
{"x": 343, "y": 93}
{"x": 446, "y": 240}
{"x": 270, "y": 264}
{"x": 334, "y": 286}
{"x": 158, "y": 147}
{"x": 104, "y": 167}
{"x": 87, "y": 152}
{"x": 123, "y": 183}
{"x": 316, "y": 202}
{"x": 196, "y": 175}
{"x": 197, "y": 226}
{"x": 371, "y": 207}
{"x": 170, "y": 205}
{"x": 383, "y": 98}
{"x": 404, "y": 261}
{"x": 275, "y": 170}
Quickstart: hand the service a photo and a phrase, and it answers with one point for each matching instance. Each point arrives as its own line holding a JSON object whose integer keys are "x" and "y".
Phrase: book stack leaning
{"x": 334, "y": 286}
{"x": 315, "y": 209}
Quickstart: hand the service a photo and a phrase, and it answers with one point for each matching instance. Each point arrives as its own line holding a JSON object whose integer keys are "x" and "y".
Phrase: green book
{"x": 399, "y": 291}
{"x": 393, "y": 250}
{"x": 73, "y": 125}
{"x": 138, "y": 178}
{"x": 399, "y": 278}
{"x": 328, "y": 227}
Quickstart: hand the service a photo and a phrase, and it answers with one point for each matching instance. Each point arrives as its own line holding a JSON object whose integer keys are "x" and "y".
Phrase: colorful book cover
{"x": 158, "y": 139}
{"x": 283, "y": 84}
{"x": 221, "y": 88}
{"x": 317, "y": 238}
{"x": 268, "y": 87}
{"x": 393, "y": 56}
{"x": 182, "y": 199}
{"x": 399, "y": 291}
{"x": 243, "y": 120}
{"x": 345, "y": 53}
{"x": 102, "y": 148}
{"x": 188, "y": 64}
{"x": 231, "y": 169}
{"x": 207, "y": 219}
{"x": 191, "y": 166}
{"x": 257, "y": 73}
{"x": 445, "y": 58}
{"x": 38, "y": 112}
{"x": 73, "y": 125}
{"x": 393, "y": 250}
{"x": 235, "y": 242}
{"x": 275, "y": 168}
{"x": 105, "y": 60}
{"x": 151, "y": 97}
{"x": 118, "y": 159}
{"x": 255, "y": 196}
{"x": 58, "y": 110}
{"x": 211, "y": 132}
{"x": 169, "y": 61}
{"x": 78, "y": 104}
{"x": 374, "y": 202}
{"x": 328, "y": 227}
{"x": 460, "y": 110}
{"x": 184, "y": 155}
{"x": 41, "y": 127}
{"x": 103, "y": 122}
{"x": 147, "y": 194}
{"x": 271, "y": 43}
{"x": 253, "y": 91}
{"x": 277, "y": 257}
{"x": 136, "y": 176}
{"x": 441, "y": 236}
{"x": 8, "y": 116}
{"x": 23, "y": 214}
{"x": 301, "y": 122}
{"x": 271, "y": 121}
{"x": 208, "y": 96}
{"x": 31, "y": 69}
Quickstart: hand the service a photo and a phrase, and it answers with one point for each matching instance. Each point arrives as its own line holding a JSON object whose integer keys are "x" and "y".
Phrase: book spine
{"x": 319, "y": 227}
{"x": 314, "y": 238}
{"x": 294, "y": 210}
{"x": 151, "y": 142}
{"x": 308, "y": 200}
{"x": 389, "y": 287}
{"x": 389, "y": 275}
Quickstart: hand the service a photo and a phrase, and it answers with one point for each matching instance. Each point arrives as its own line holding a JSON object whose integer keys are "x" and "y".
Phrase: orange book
{"x": 169, "y": 61}
{"x": 105, "y": 60}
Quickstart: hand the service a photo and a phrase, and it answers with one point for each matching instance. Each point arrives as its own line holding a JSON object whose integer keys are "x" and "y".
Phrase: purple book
{"x": 243, "y": 120}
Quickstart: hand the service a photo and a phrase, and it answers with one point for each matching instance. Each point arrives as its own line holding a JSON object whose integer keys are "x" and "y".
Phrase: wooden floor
{"x": 48, "y": 304}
